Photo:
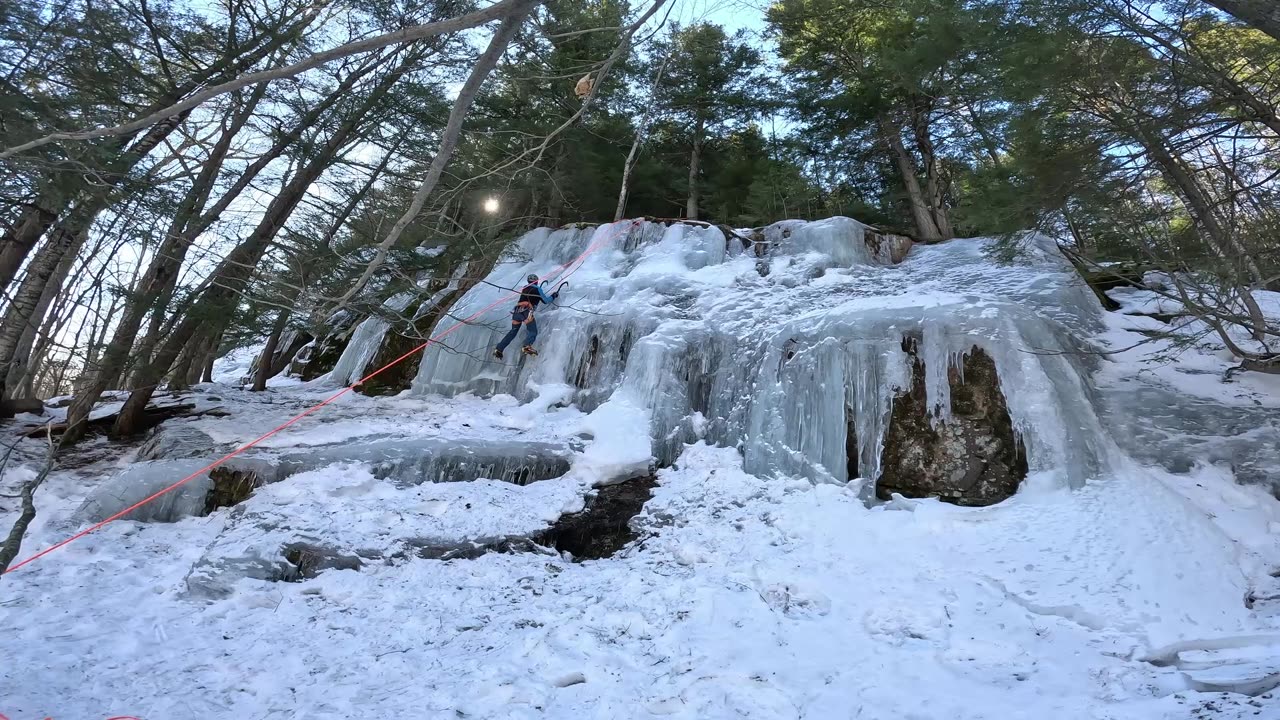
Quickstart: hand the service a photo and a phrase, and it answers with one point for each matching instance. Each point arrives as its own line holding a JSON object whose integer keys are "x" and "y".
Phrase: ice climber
{"x": 530, "y": 296}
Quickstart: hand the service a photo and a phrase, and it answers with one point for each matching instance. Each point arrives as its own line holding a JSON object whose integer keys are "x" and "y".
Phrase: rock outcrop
{"x": 12, "y": 406}
{"x": 319, "y": 358}
{"x": 972, "y": 458}
{"x": 899, "y": 245}
{"x": 604, "y": 526}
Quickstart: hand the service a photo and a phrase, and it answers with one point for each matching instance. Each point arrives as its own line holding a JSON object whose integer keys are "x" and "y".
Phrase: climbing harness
{"x": 523, "y": 313}
{"x": 557, "y": 273}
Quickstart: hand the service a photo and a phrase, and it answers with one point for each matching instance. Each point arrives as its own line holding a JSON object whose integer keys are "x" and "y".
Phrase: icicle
{"x": 430, "y": 303}
{"x": 881, "y": 372}
{"x": 365, "y": 341}
{"x": 935, "y": 352}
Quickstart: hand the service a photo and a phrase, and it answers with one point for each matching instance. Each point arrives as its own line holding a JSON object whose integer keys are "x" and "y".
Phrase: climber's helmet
{"x": 532, "y": 278}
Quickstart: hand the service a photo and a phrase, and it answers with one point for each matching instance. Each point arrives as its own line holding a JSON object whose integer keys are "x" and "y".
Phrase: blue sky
{"x": 733, "y": 14}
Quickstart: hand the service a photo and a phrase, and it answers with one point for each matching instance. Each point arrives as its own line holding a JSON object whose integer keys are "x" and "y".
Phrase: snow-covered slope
{"x": 764, "y": 581}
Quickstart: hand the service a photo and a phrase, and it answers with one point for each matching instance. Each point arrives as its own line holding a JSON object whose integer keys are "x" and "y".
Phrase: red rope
{"x": 92, "y": 528}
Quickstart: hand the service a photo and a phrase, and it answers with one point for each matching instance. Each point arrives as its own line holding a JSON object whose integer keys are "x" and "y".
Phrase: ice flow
{"x": 788, "y": 342}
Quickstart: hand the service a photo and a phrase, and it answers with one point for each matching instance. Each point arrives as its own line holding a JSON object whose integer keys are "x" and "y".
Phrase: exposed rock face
{"x": 305, "y": 561}
{"x": 288, "y": 347}
{"x": 13, "y": 406}
{"x": 320, "y": 357}
{"x": 972, "y": 459}
{"x": 230, "y": 487}
{"x": 604, "y": 526}
{"x": 899, "y": 245}
{"x": 179, "y": 440}
{"x": 601, "y": 529}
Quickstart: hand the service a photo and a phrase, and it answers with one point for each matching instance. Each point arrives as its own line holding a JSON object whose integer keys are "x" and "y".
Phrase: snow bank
{"x": 750, "y": 597}
{"x": 235, "y": 367}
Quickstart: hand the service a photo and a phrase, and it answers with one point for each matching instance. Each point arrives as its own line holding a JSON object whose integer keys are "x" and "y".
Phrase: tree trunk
{"x": 1261, "y": 14}
{"x": 65, "y": 305}
{"x": 228, "y": 279}
{"x": 936, "y": 184}
{"x": 449, "y": 139}
{"x": 20, "y": 368}
{"x": 642, "y": 128}
{"x": 1077, "y": 233}
{"x": 206, "y": 374}
{"x": 23, "y": 236}
{"x": 627, "y": 166}
{"x": 1216, "y": 234}
{"x": 36, "y": 366}
{"x": 201, "y": 357}
{"x": 197, "y": 364}
{"x": 695, "y": 167}
{"x": 1198, "y": 203}
{"x": 179, "y": 379}
{"x": 20, "y": 316}
{"x": 265, "y": 364}
{"x": 926, "y": 227}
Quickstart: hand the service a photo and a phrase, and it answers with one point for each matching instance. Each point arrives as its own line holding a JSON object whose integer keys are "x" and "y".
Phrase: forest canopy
{"x": 177, "y": 177}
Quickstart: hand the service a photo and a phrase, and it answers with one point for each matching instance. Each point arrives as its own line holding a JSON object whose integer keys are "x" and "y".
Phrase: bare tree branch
{"x": 404, "y": 35}
{"x": 13, "y": 543}
{"x": 449, "y": 140}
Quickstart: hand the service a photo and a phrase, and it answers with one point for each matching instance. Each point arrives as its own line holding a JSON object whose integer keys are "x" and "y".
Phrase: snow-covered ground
{"x": 1172, "y": 391}
{"x": 1137, "y": 593}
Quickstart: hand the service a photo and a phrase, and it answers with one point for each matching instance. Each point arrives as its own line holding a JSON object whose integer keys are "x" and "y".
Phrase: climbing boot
{"x": 528, "y": 350}
{"x": 497, "y": 354}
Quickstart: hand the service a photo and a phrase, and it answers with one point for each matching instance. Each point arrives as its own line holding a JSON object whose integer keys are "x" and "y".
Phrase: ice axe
{"x": 559, "y": 287}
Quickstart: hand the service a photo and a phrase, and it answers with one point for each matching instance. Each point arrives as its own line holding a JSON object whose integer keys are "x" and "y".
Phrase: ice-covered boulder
{"x": 177, "y": 440}
{"x": 143, "y": 479}
{"x": 405, "y": 462}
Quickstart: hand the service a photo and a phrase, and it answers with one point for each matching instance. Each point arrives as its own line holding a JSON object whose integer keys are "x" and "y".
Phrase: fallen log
{"x": 153, "y": 415}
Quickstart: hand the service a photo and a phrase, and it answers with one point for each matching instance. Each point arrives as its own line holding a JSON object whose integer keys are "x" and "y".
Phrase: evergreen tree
{"x": 713, "y": 82}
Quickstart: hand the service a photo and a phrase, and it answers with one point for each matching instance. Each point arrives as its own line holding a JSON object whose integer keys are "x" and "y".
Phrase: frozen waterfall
{"x": 365, "y": 341}
{"x": 368, "y": 335}
{"x": 788, "y": 343}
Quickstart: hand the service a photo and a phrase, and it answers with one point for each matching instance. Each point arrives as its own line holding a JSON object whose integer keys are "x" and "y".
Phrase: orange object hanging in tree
{"x": 583, "y": 88}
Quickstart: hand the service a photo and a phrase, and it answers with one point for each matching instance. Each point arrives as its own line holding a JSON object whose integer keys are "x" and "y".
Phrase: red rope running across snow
{"x": 556, "y": 275}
